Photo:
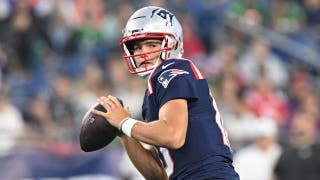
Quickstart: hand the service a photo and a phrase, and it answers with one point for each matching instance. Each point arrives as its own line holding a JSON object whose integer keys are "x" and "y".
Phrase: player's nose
{"x": 144, "y": 56}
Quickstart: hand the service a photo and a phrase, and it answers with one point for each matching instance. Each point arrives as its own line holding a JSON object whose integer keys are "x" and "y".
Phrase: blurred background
{"x": 260, "y": 57}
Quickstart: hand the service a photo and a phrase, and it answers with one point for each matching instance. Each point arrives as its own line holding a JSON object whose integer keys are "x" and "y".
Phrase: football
{"x": 96, "y": 132}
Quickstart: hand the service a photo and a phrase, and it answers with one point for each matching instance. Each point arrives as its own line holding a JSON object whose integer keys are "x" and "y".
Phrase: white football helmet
{"x": 151, "y": 23}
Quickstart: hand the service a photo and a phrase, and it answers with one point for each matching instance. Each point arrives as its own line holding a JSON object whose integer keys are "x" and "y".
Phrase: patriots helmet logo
{"x": 166, "y": 76}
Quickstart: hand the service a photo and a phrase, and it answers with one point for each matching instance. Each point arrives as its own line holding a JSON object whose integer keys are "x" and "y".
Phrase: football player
{"x": 181, "y": 118}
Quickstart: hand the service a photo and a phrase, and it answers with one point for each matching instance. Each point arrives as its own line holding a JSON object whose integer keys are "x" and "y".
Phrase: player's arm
{"x": 169, "y": 131}
{"x": 171, "y": 128}
{"x": 145, "y": 160}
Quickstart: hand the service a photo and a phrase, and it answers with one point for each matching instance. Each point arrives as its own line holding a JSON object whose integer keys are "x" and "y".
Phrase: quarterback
{"x": 181, "y": 122}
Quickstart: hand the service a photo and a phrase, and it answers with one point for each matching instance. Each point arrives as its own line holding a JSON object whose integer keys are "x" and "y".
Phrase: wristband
{"x": 121, "y": 123}
{"x": 126, "y": 126}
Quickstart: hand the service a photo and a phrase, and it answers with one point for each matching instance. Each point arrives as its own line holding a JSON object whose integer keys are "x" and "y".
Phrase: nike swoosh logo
{"x": 165, "y": 66}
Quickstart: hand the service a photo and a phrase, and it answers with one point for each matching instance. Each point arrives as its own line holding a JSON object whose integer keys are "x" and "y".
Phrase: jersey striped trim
{"x": 194, "y": 68}
{"x": 219, "y": 122}
{"x": 196, "y": 71}
{"x": 150, "y": 91}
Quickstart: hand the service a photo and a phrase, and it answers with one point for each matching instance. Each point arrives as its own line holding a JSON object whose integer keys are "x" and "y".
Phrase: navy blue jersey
{"x": 206, "y": 153}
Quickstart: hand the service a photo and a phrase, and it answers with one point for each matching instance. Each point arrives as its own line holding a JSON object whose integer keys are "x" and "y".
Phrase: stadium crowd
{"x": 261, "y": 58}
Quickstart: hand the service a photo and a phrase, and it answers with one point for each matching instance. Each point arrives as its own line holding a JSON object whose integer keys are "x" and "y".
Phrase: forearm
{"x": 146, "y": 161}
{"x": 157, "y": 133}
{"x": 168, "y": 131}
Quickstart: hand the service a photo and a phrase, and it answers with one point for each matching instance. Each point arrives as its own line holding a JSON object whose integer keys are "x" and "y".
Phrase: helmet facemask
{"x": 127, "y": 43}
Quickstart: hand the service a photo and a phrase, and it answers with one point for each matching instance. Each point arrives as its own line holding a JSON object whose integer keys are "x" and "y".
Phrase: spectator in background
{"x": 300, "y": 84}
{"x": 92, "y": 9}
{"x": 53, "y": 118}
{"x": 61, "y": 34}
{"x": 223, "y": 62}
{"x": 311, "y": 104}
{"x": 114, "y": 20}
{"x": 252, "y": 12}
{"x": 193, "y": 46}
{"x": 25, "y": 30}
{"x": 257, "y": 160}
{"x": 39, "y": 122}
{"x": 312, "y": 10}
{"x": 90, "y": 86}
{"x": 114, "y": 72}
{"x": 265, "y": 100}
{"x": 287, "y": 16}
{"x": 89, "y": 34}
{"x": 11, "y": 124}
{"x": 3, "y": 63}
{"x": 22, "y": 29}
{"x": 62, "y": 108}
{"x": 259, "y": 56}
{"x": 300, "y": 159}
{"x": 303, "y": 96}
{"x": 237, "y": 118}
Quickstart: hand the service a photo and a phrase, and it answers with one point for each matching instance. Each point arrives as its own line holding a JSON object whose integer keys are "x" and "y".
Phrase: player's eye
{"x": 148, "y": 45}
{"x": 153, "y": 44}
{"x": 137, "y": 48}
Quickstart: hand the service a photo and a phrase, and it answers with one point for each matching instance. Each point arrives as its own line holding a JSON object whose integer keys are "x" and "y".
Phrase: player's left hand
{"x": 115, "y": 112}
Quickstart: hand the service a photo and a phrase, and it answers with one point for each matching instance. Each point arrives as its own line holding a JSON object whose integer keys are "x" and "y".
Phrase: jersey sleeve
{"x": 178, "y": 82}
